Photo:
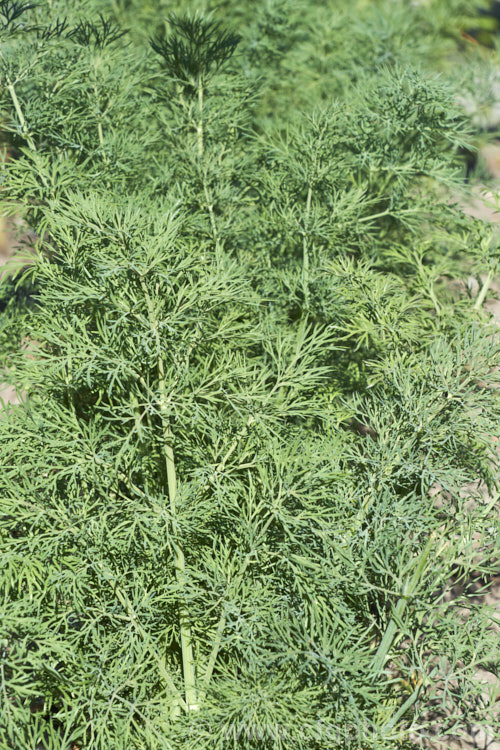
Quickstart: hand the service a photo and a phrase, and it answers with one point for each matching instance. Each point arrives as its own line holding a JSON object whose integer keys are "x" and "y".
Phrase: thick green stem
{"x": 210, "y": 205}
{"x": 409, "y": 589}
{"x": 484, "y": 291}
{"x": 100, "y": 133}
{"x": 217, "y": 642}
{"x": 200, "y": 121}
{"x": 221, "y": 465}
{"x": 100, "y": 115}
{"x": 101, "y": 139}
{"x": 432, "y": 295}
{"x": 305, "y": 249}
{"x": 391, "y": 723}
{"x": 188, "y": 663}
{"x": 132, "y": 617}
{"x": 22, "y": 122}
{"x": 211, "y": 213}
{"x": 20, "y": 115}
{"x": 387, "y": 212}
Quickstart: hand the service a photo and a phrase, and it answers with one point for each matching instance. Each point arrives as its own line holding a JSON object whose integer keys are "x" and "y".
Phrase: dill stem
{"x": 305, "y": 249}
{"x": 188, "y": 664}
{"x": 221, "y": 465}
{"x": 213, "y": 223}
{"x": 403, "y": 709}
{"x": 434, "y": 299}
{"x": 210, "y": 205}
{"x": 387, "y": 212}
{"x": 132, "y": 617}
{"x": 22, "y": 122}
{"x": 484, "y": 291}
{"x": 217, "y": 642}
{"x": 100, "y": 133}
{"x": 20, "y": 115}
{"x": 200, "y": 121}
{"x": 409, "y": 589}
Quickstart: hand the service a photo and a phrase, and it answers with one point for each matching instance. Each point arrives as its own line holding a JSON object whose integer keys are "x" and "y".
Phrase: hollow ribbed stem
{"x": 20, "y": 115}
{"x": 409, "y": 589}
{"x": 211, "y": 214}
{"x": 132, "y": 616}
{"x": 200, "y": 121}
{"x": 305, "y": 248}
{"x": 100, "y": 133}
{"x": 432, "y": 295}
{"x": 484, "y": 291}
{"x": 391, "y": 723}
{"x": 210, "y": 205}
{"x": 388, "y": 212}
{"x": 217, "y": 642}
{"x": 22, "y": 123}
{"x": 188, "y": 663}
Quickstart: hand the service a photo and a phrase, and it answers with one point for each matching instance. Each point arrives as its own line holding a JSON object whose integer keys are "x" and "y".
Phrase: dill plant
{"x": 247, "y": 377}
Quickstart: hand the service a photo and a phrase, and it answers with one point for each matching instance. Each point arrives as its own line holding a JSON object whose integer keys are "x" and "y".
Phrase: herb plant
{"x": 233, "y": 498}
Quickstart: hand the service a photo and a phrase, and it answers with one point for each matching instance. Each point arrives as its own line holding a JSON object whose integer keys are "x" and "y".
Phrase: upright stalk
{"x": 305, "y": 233}
{"x": 188, "y": 663}
{"x": 484, "y": 291}
{"x": 22, "y": 123}
{"x": 305, "y": 248}
{"x": 213, "y": 223}
{"x": 221, "y": 625}
{"x": 100, "y": 133}
{"x": 201, "y": 146}
{"x": 200, "y": 121}
{"x": 132, "y": 616}
{"x": 409, "y": 589}
{"x": 20, "y": 115}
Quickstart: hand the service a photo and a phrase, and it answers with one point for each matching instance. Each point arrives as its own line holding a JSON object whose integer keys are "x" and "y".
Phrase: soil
{"x": 484, "y": 203}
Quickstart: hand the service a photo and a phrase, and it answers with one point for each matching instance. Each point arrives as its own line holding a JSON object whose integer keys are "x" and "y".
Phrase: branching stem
{"x": 188, "y": 663}
{"x": 305, "y": 248}
{"x": 409, "y": 589}
{"x": 211, "y": 213}
{"x": 99, "y": 128}
{"x": 200, "y": 121}
{"x": 20, "y": 115}
{"x": 132, "y": 617}
{"x": 217, "y": 642}
{"x": 22, "y": 123}
{"x": 484, "y": 291}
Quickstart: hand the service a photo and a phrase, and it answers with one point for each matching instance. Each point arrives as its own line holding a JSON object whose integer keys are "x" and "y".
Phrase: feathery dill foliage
{"x": 247, "y": 373}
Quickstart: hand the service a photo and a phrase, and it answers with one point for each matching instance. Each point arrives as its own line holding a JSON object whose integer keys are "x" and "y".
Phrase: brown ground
{"x": 8, "y": 245}
{"x": 485, "y": 205}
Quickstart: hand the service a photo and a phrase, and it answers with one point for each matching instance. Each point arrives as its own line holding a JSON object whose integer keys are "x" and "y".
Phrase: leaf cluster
{"x": 194, "y": 47}
{"x": 256, "y": 382}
